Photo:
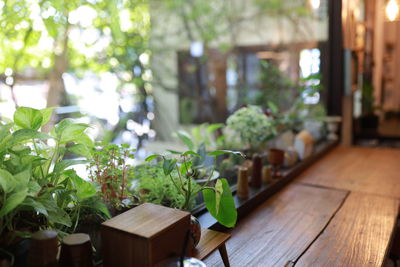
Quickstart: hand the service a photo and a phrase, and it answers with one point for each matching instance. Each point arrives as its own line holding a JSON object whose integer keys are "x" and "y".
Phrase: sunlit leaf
{"x": 28, "y": 118}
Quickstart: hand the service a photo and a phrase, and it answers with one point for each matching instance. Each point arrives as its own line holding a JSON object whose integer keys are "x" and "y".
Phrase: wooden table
{"x": 357, "y": 169}
{"x": 337, "y": 214}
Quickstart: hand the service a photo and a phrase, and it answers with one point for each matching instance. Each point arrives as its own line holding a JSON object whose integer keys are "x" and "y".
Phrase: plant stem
{"x": 37, "y": 154}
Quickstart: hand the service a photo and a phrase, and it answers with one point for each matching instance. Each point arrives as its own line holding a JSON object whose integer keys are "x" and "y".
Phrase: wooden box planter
{"x": 143, "y": 236}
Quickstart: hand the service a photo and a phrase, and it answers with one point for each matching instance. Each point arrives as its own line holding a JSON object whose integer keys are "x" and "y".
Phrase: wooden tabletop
{"x": 280, "y": 230}
{"x": 358, "y": 235}
{"x": 341, "y": 212}
{"x": 357, "y": 169}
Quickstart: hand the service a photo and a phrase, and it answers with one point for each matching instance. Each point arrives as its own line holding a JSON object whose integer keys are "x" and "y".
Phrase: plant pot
{"x": 276, "y": 158}
{"x": 195, "y": 232}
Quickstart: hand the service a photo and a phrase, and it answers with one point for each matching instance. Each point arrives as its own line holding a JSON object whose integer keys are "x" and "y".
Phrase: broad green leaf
{"x": 28, "y": 118}
{"x": 84, "y": 139}
{"x": 33, "y": 187}
{"x": 152, "y": 157}
{"x": 67, "y": 130}
{"x": 5, "y": 143}
{"x": 83, "y": 188}
{"x": 81, "y": 150}
{"x": 169, "y": 165}
{"x": 28, "y": 134}
{"x": 37, "y": 206}
{"x": 222, "y": 152}
{"x": 101, "y": 206}
{"x": 12, "y": 201}
{"x": 46, "y": 113}
{"x": 55, "y": 213}
{"x": 227, "y": 214}
{"x": 63, "y": 164}
{"x": 6, "y": 181}
{"x": 59, "y": 216}
{"x": 22, "y": 179}
{"x": 185, "y": 139}
{"x": 5, "y": 130}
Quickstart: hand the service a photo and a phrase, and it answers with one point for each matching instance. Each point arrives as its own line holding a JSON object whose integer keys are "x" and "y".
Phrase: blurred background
{"x": 139, "y": 70}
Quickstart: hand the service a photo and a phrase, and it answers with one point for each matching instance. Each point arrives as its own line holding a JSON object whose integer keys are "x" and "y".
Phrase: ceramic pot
{"x": 276, "y": 158}
{"x": 195, "y": 232}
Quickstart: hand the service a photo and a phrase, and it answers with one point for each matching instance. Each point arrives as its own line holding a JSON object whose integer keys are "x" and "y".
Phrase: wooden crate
{"x": 143, "y": 236}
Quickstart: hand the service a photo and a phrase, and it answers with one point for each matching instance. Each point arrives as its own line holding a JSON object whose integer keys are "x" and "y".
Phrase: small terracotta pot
{"x": 276, "y": 156}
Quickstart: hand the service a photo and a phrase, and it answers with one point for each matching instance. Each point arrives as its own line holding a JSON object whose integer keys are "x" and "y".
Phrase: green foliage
{"x": 37, "y": 190}
{"x": 252, "y": 127}
{"x": 109, "y": 169}
{"x": 156, "y": 187}
{"x": 276, "y": 88}
{"x": 185, "y": 166}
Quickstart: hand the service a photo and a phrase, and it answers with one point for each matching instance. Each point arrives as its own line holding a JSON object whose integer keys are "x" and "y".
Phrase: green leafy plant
{"x": 155, "y": 187}
{"x": 252, "y": 127}
{"x": 38, "y": 189}
{"x": 109, "y": 169}
{"x": 218, "y": 199}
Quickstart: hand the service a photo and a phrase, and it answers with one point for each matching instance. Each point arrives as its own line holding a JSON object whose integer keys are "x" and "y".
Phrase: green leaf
{"x": 28, "y": 134}
{"x": 5, "y": 130}
{"x": 84, "y": 139}
{"x": 169, "y": 165}
{"x": 63, "y": 164}
{"x": 222, "y": 152}
{"x": 68, "y": 131}
{"x": 28, "y": 118}
{"x": 185, "y": 166}
{"x": 59, "y": 216}
{"x": 55, "y": 213}
{"x": 37, "y": 206}
{"x": 152, "y": 157}
{"x": 46, "y": 113}
{"x": 185, "y": 139}
{"x": 227, "y": 214}
{"x": 12, "y": 201}
{"x": 22, "y": 179}
{"x": 6, "y": 181}
{"x": 81, "y": 150}
{"x": 83, "y": 188}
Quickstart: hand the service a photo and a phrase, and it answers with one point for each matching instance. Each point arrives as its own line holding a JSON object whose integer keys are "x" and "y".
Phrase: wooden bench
{"x": 211, "y": 241}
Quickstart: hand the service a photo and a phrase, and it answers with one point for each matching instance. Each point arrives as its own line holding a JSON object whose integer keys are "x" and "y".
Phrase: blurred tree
{"x": 43, "y": 39}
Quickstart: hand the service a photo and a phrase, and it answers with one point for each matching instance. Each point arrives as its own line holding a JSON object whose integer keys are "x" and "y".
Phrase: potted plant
{"x": 218, "y": 199}
{"x": 38, "y": 189}
{"x": 252, "y": 128}
{"x": 109, "y": 169}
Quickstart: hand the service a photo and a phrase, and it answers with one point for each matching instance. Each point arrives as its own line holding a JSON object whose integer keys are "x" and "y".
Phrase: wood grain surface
{"x": 282, "y": 228}
{"x": 357, "y": 169}
{"x": 358, "y": 235}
